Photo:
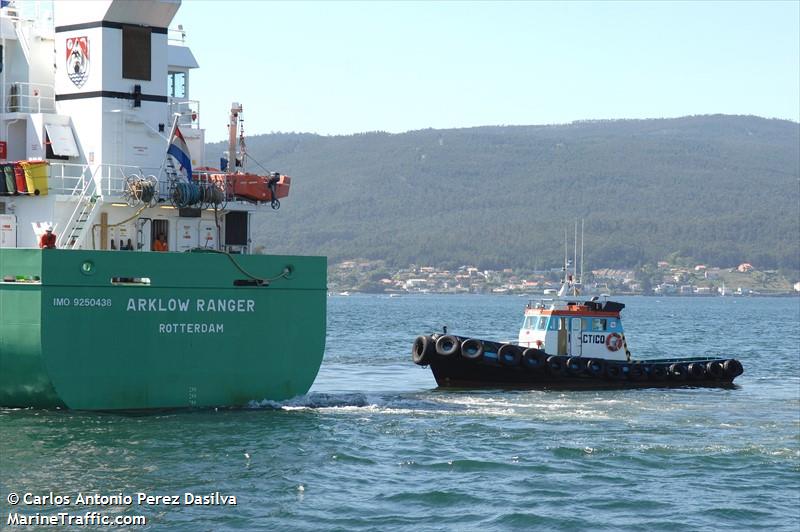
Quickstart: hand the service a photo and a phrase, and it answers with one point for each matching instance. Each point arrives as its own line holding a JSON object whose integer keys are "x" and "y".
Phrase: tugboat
{"x": 128, "y": 281}
{"x": 564, "y": 343}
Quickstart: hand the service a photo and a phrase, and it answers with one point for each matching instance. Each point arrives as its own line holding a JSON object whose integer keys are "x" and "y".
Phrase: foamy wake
{"x": 435, "y": 404}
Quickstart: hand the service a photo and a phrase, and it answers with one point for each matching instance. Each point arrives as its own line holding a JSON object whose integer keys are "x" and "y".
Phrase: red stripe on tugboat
{"x": 584, "y": 313}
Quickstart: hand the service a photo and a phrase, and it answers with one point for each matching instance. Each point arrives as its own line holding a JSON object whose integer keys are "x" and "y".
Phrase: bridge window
{"x": 176, "y": 85}
{"x": 542, "y": 323}
{"x": 598, "y": 324}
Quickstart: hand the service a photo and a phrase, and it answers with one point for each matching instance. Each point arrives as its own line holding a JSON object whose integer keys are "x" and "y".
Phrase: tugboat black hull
{"x": 460, "y": 362}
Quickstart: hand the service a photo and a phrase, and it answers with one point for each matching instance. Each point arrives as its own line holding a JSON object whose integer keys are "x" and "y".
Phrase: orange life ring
{"x": 613, "y": 342}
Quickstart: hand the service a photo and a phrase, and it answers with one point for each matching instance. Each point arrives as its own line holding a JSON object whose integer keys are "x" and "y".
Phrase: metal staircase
{"x": 82, "y": 217}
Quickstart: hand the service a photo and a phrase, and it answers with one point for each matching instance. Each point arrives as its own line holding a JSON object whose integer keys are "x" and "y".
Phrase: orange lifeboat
{"x": 254, "y": 187}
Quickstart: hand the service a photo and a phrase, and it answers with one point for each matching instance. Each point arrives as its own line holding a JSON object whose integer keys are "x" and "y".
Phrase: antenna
{"x": 565, "y": 253}
{"x": 582, "y": 223}
{"x": 575, "y": 254}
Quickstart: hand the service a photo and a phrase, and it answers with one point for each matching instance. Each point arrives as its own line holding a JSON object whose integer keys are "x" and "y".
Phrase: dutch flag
{"x": 180, "y": 151}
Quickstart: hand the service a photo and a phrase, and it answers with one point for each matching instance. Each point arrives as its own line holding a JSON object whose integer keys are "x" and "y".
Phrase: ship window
{"x": 598, "y": 324}
{"x": 176, "y": 85}
{"x": 136, "y": 52}
{"x": 542, "y": 323}
{"x": 553, "y": 326}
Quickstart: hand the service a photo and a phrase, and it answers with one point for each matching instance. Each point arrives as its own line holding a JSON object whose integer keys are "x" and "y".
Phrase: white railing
{"x": 188, "y": 111}
{"x": 71, "y": 179}
{"x": 176, "y": 36}
{"x": 30, "y": 98}
{"x": 85, "y": 204}
{"x": 87, "y": 185}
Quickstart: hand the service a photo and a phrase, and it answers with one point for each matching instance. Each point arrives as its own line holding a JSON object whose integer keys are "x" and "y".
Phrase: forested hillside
{"x": 719, "y": 189}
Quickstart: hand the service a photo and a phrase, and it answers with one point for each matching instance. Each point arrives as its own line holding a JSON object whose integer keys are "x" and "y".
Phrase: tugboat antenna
{"x": 575, "y": 264}
{"x": 582, "y": 224}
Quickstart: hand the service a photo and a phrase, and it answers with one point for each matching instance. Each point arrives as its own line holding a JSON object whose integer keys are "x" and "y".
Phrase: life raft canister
{"x": 613, "y": 342}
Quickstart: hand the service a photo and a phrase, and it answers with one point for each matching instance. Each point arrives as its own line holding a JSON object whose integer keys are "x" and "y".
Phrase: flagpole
{"x": 169, "y": 140}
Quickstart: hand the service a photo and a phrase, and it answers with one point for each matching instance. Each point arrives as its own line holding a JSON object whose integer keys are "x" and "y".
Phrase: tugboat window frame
{"x": 553, "y": 323}
{"x": 599, "y": 324}
{"x": 542, "y": 325}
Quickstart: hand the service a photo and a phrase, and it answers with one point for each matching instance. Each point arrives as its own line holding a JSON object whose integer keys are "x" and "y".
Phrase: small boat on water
{"x": 568, "y": 345}
{"x": 565, "y": 342}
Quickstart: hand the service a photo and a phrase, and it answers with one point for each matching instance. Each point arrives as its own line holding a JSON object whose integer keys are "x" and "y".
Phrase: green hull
{"x": 190, "y": 338}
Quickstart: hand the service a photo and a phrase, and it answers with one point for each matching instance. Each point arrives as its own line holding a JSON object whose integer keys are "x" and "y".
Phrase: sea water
{"x": 376, "y": 446}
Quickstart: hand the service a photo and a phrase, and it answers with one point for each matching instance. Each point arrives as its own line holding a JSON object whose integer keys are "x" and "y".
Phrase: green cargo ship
{"x": 128, "y": 280}
{"x": 189, "y": 338}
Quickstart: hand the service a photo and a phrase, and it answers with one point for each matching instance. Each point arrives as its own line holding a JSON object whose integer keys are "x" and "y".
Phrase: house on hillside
{"x": 745, "y": 267}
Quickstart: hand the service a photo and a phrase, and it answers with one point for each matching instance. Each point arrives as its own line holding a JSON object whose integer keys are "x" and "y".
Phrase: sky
{"x": 336, "y": 68}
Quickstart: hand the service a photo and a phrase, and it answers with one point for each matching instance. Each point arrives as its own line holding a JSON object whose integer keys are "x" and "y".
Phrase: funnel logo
{"x": 78, "y": 60}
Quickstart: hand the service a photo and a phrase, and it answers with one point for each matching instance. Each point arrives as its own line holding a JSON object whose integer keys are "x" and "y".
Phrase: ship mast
{"x": 233, "y": 123}
{"x": 581, "y": 277}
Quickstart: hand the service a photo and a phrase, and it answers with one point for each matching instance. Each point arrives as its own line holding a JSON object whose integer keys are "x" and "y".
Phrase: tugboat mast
{"x": 571, "y": 283}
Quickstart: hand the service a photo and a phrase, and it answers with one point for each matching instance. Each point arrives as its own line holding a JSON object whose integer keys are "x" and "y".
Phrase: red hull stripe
{"x": 585, "y": 313}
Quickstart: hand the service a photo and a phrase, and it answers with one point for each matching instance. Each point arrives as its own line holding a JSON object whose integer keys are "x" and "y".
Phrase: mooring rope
{"x": 287, "y": 271}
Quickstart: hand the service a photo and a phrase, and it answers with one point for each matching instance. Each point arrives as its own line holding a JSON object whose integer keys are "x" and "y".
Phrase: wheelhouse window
{"x": 553, "y": 324}
{"x": 542, "y": 323}
{"x": 136, "y": 45}
{"x": 599, "y": 324}
{"x": 176, "y": 84}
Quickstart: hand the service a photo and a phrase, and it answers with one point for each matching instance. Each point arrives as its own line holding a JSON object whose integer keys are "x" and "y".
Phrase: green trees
{"x": 718, "y": 189}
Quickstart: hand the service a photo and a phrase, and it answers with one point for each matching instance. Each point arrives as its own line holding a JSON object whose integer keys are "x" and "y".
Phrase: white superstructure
{"x": 94, "y": 89}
